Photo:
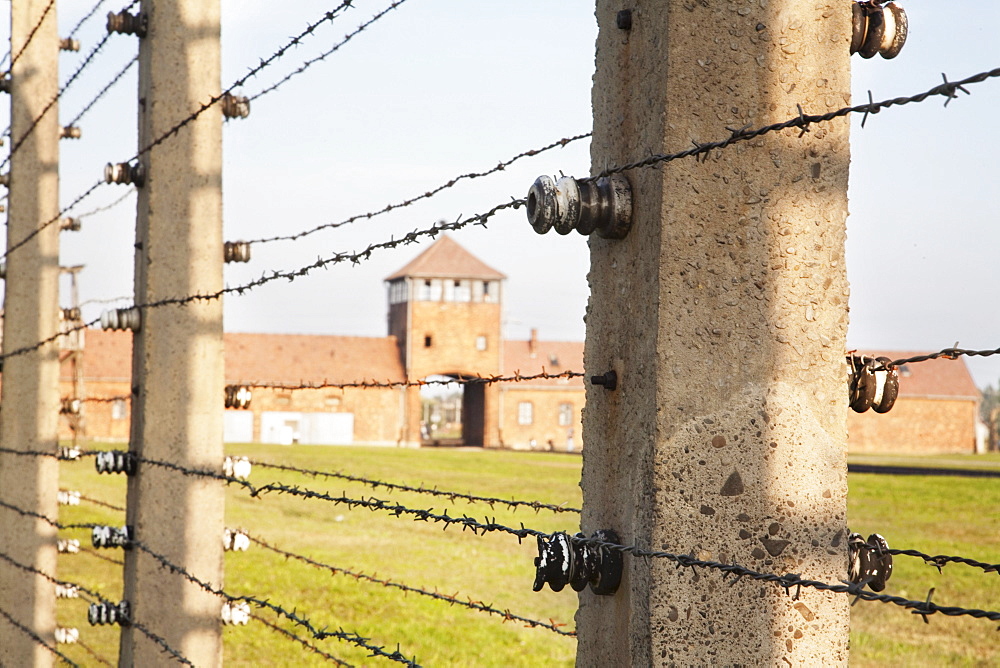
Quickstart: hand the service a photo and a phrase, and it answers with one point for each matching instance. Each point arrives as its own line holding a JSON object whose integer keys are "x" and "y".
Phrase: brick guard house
{"x": 445, "y": 313}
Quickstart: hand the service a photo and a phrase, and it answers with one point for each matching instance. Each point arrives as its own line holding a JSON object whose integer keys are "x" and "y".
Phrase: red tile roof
{"x": 446, "y": 259}
{"x": 263, "y": 358}
{"x": 293, "y": 358}
{"x": 933, "y": 378}
{"x": 552, "y": 356}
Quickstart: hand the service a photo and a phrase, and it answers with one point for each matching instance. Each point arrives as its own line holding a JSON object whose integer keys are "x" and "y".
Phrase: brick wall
{"x": 545, "y": 427}
{"x": 918, "y": 426}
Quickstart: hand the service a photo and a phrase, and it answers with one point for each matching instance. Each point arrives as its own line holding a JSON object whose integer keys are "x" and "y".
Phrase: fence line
{"x": 307, "y": 64}
{"x": 34, "y": 636}
{"x": 86, "y": 17}
{"x": 104, "y": 91}
{"x": 312, "y": 648}
{"x": 453, "y": 599}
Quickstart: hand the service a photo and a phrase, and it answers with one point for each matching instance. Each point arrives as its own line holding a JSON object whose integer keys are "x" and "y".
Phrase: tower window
{"x": 427, "y": 341}
{"x": 118, "y": 411}
{"x": 480, "y": 342}
{"x": 463, "y": 291}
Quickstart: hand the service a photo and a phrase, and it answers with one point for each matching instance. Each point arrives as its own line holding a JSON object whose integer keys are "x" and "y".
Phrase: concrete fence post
{"x": 30, "y": 394}
{"x": 724, "y": 314}
{"x": 177, "y": 362}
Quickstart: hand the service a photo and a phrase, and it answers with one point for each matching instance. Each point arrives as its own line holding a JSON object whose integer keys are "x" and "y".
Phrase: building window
{"x": 565, "y": 415}
{"x": 397, "y": 292}
{"x": 463, "y": 291}
{"x": 118, "y": 410}
{"x": 427, "y": 341}
{"x": 525, "y": 412}
{"x": 480, "y": 342}
{"x": 429, "y": 290}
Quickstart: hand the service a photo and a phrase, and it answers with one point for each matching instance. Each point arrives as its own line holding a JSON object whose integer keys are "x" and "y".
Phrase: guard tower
{"x": 445, "y": 311}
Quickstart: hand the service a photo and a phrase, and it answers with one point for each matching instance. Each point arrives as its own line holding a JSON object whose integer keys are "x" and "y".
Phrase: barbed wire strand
{"x": 940, "y": 560}
{"x": 97, "y": 597}
{"x": 85, "y": 18}
{"x": 104, "y": 91}
{"x": 948, "y": 89}
{"x": 292, "y": 275}
{"x": 34, "y": 636}
{"x": 95, "y": 553}
{"x": 291, "y": 615}
{"x": 264, "y": 63}
{"x": 452, "y": 599}
{"x": 55, "y": 219}
{"x": 516, "y": 377}
{"x": 426, "y": 195}
{"x": 62, "y": 89}
{"x": 309, "y": 63}
{"x": 31, "y": 35}
{"x": 511, "y": 504}
{"x": 305, "y": 643}
{"x": 97, "y": 657}
{"x": 787, "y": 581}
{"x": 104, "y": 504}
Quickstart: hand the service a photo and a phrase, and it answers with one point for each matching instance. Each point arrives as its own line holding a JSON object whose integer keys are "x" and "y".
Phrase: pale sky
{"x": 442, "y": 87}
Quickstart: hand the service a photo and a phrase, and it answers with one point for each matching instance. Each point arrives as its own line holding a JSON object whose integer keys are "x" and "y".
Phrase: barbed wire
{"x": 451, "y": 599}
{"x": 98, "y": 502}
{"x": 31, "y": 35}
{"x": 101, "y": 209}
{"x": 291, "y": 275}
{"x": 85, "y": 18}
{"x": 97, "y": 597}
{"x": 48, "y": 520}
{"x": 62, "y": 90}
{"x": 290, "y": 615}
{"x": 97, "y": 657}
{"x": 512, "y": 504}
{"x": 516, "y": 377}
{"x": 426, "y": 195}
{"x": 109, "y": 300}
{"x": 55, "y": 219}
{"x": 948, "y": 89}
{"x": 264, "y": 63}
{"x": 941, "y": 560}
{"x": 947, "y": 353}
{"x": 787, "y": 581}
{"x": 101, "y": 93}
{"x": 312, "y": 648}
{"x": 307, "y": 64}
{"x": 95, "y": 553}
{"x": 37, "y": 638}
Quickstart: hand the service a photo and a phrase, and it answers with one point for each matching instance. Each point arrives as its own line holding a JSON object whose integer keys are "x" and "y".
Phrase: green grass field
{"x": 934, "y": 514}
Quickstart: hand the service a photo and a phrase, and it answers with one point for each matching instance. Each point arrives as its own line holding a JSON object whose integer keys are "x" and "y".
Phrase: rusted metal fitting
{"x": 235, "y": 106}
{"x": 72, "y": 313}
{"x": 878, "y": 29}
{"x": 238, "y": 396}
{"x": 70, "y": 406}
{"x": 624, "y": 19}
{"x": 5, "y": 180}
{"x": 872, "y": 383}
{"x": 70, "y": 224}
{"x": 128, "y": 24}
{"x": 3, "y": 269}
{"x": 869, "y": 562}
{"x": 5, "y": 82}
{"x": 70, "y": 132}
{"x": 575, "y": 561}
{"x": 603, "y": 205}
{"x": 122, "y": 318}
{"x": 123, "y": 172}
{"x": 69, "y": 44}
{"x": 609, "y": 380}
{"x": 236, "y": 251}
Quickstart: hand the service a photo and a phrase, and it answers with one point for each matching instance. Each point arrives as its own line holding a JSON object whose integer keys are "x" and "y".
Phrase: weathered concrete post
{"x": 724, "y": 314}
{"x": 30, "y": 395}
{"x": 177, "y": 360}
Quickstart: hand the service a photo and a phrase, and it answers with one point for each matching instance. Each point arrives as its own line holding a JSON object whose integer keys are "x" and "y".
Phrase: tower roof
{"x": 446, "y": 259}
